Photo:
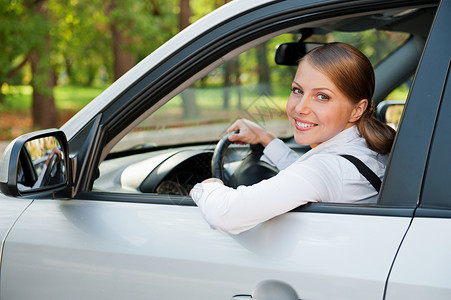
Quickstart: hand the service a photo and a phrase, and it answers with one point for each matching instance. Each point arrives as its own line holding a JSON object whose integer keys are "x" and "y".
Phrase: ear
{"x": 358, "y": 110}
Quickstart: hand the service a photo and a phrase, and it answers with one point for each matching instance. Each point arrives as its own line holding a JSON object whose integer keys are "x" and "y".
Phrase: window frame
{"x": 113, "y": 116}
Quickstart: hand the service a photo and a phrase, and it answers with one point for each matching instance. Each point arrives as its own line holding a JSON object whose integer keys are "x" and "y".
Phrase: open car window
{"x": 250, "y": 86}
{"x": 171, "y": 150}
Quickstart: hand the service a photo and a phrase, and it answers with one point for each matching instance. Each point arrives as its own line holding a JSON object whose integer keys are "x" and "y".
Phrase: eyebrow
{"x": 315, "y": 89}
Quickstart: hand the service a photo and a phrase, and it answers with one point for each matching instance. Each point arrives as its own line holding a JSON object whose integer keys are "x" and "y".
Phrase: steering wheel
{"x": 48, "y": 172}
{"x": 251, "y": 169}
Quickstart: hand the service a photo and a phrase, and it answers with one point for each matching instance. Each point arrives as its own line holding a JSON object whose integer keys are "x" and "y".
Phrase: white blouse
{"x": 318, "y": 175}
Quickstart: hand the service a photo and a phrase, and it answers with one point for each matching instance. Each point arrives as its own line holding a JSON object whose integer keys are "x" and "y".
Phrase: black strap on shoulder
{"x": 365, "y": 171}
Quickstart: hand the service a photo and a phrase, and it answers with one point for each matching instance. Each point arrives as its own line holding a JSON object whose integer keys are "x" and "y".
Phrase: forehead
{"x": 309, "y": 75}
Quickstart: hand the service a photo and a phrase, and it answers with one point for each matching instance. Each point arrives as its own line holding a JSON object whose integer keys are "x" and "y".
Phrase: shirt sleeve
{"x": 278, "y": 154}
{"x": 236, "y": 210}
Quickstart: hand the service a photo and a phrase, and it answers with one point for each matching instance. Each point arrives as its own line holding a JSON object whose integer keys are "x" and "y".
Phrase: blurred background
{"x": 57, "y": 55}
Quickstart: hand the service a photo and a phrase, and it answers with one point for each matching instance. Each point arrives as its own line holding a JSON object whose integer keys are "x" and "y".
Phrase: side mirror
{"x": 36, "y": 163}
{"x": 390, "y": 111}
{"x": 289, "y": 54}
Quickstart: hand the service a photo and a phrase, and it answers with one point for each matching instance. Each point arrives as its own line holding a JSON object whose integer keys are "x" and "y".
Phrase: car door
{"x": 116, "y": 246}
{"x": 422, "y": 267}
{"x": 10, "y": 212}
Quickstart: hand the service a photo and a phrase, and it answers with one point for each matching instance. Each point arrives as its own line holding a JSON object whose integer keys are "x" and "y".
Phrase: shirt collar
{"x": 343, "y": 137}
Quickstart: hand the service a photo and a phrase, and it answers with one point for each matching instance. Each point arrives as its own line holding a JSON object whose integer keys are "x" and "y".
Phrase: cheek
{"x": 290, "y": 105}
{"x": 341, "y": 116}
{"x": 333, "y": 115}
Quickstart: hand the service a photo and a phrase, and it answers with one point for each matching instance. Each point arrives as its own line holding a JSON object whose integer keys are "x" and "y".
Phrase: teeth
{"x": 304, "y": 125}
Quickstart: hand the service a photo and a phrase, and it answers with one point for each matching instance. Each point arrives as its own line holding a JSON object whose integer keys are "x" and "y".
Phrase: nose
{"x": 304, "y": 105}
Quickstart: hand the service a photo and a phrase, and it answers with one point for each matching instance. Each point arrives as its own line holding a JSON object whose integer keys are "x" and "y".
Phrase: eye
{"x": 296, "y": 90}
{"x": 323, "y": 97}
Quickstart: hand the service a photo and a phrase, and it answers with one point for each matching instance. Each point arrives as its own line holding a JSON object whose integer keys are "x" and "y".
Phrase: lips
{"x": 302, "y": 125}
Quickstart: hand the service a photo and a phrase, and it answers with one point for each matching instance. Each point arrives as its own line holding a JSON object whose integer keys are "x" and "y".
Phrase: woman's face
{"x": 317, "y": 109}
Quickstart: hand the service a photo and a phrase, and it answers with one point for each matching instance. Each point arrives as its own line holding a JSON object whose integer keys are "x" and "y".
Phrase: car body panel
{"x": 130, "y": 250}
{"x": 9, "y": 213}
{"x": 424, "y": 253}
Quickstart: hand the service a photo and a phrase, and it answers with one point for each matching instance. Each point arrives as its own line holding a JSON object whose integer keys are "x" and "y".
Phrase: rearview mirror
{"x": 36, "y": 162}
{"x": 289, "y": 54}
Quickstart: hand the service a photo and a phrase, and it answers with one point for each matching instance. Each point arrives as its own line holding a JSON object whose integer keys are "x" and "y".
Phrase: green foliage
{"x": 81, "y": 52}
{"x": 148, "y": 24}
{"x": 21, "y": 30}
{"x": 375, "y": 44}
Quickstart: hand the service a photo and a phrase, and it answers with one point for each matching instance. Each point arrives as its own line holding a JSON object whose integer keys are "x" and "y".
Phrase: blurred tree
{"x": 190, "y": 107}
{"x": 81, "y": 38}
{"x": 44, "y": 112}
{"x": 263, "y": 70}
{"x": 18, "y": 34}
{"x": 137, "y": 28}
{"x": 25, "y": 31}
{"x": 124, "y": 59}
{"x": 67, "y": 41}
{"x": 232, "y": 79}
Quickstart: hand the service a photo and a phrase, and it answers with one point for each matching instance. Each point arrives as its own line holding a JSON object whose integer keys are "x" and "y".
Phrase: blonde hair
{"x": 352, "y": 73}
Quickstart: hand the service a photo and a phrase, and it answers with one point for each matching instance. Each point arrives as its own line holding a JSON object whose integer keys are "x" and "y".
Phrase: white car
{"x": 99, "y": 209}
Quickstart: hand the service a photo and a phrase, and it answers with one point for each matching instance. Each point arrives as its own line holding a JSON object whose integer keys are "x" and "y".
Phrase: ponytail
{"x": 378, "y": 136}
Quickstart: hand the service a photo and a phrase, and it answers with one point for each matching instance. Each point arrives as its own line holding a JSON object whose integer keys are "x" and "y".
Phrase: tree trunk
{"x": 264, "y": 72}
{"x": 185, "y": 14}
{"x": 44, "y": 112}
{"x": 227, "y": 84}
{"x": 190, "y": 107}
{"x": 123, "y": 60}
{"x": 232, "y": 81}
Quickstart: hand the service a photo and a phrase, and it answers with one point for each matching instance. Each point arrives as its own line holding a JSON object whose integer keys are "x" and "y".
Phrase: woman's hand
{"x": 249, "y": 133}
{"x": 213, "y": 180}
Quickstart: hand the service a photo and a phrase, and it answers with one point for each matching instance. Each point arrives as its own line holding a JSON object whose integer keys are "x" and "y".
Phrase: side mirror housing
{"x": 390, "y": 111}
{"x": 35, "y": 163}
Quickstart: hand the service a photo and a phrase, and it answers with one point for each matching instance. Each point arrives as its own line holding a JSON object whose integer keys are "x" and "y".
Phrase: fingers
{"x": 236, "y": 137}
{"x": 248, "y": 132}
{"x": 236, "y": 126}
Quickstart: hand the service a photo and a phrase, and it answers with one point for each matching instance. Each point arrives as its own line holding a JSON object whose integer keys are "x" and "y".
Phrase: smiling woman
{"x": 330, "y": 99}
{"x": 121, "y": 226}
{"x": 336, "y": 66}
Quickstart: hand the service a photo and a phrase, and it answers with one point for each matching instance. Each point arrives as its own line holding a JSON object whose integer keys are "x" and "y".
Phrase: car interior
{"x": 157, "y": 157}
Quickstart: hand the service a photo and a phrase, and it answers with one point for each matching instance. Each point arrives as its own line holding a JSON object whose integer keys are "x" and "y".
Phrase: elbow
{"x": 226, "y": 224}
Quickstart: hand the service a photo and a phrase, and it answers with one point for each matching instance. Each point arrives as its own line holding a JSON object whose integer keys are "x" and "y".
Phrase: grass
{"x": 15, "y": 109}
{"x": 72, "y": 98}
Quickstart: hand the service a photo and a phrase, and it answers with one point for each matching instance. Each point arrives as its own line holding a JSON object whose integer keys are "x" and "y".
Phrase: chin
{"x": 301, "y": 141}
